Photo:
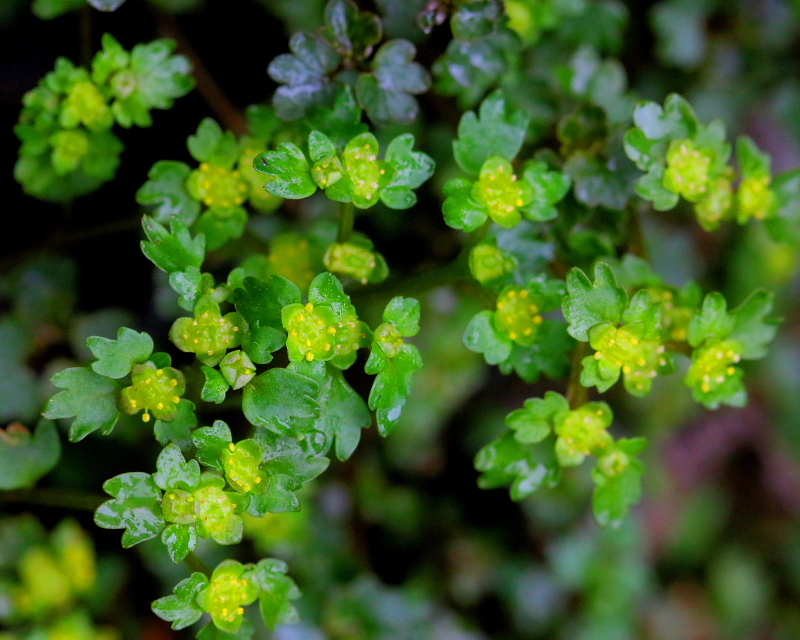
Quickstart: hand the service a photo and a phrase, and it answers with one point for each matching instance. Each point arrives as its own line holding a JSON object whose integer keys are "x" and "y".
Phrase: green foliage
{"x": 88, "y": 397}
{"x": 27, "y": 456}
{"x": 354, "y": 175}
{"x": 551, "y": 258}
{"x": 67, "y": 147}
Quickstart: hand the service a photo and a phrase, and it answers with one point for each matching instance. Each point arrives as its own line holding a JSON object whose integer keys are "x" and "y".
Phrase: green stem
{"x": 64, "y": 498}
{"x": 347, "y": 217}
{"x": 196, "y": 565}
{"x": 577, "y": 394}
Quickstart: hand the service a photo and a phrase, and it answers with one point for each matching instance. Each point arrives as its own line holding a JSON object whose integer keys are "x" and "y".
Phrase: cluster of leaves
{"x": 547, "y": 436}
{"x": 340, "y": 56}
{"x": 225, "y": 593}
{"x": 682, "y": 157}
{"x": 353, "y": 174}
{"x": 532, "y": 218}
{"x": 209, "y": 199}
{"x": 68, "y": 148}
{"x": 637, "y": 336}
{"x": 48, "y": 582}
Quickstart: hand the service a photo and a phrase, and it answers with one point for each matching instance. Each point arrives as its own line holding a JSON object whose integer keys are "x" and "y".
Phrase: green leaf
{"x": 499, "y": 130}
{"x": 149, "y": 77}
{"x": 588, "y": 304}
{"x": 286, "y": 456}
{"x": 179, "y": 430}
{"x": 215, "y": 386}
{"x": 25, "y": 457}
{"x": 411, "y": 169}
{"x": 343, "y": 413}
{"x": 260, "y": 303}
{"x": 277, "y": 592}
{"x": 88, "y": 397}
{"x": 460, "y": 209}
{"x": 650, "y": 187}
{"x": 525, "y": 467}
{"x": 712, "y": 322}
{"x": 470, "y": 69}
{"x": 179, "y": 539}
{"x": 676, "y": 120}
{"x": 614, "y": 496}
{"x": 550, "y": 354}
{"x": 289, "y": 169}
{"x": 181, "y": 609}
{"x": 548, "y": 187}
{"x": 474, "y": 20}
{"x": 282, "y": 401}
{"x": 211, "y": 442}
{"x": 173, "y": 250}
{"x": 190, "y": 285}
{"x": 534, "y": 423}
{"x": 387, "y": 93}
{"x": 404, "y": 314}
{"x": 136, "y": 507}
{"x": 751, "y": 327}
{"x": 220, "y": 225}
{"x": 213, "y": 145}
{"x": 392, "y": 386}
{"x": 173, "y": 472}
{"x": 115, "y": 358}
{"x": 481, "y": 336}
{"x": 302, "y": 75}
{"x": 353, "y": 32}
{"x": 165, "y": 190}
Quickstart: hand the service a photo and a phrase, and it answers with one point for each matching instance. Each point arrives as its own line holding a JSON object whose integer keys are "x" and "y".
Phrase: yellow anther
{"x": 626, "y": 369}
{"x": 641, "y": 362}
{"x": 146, "y": 417}
{"x": 331, "y": 330}
{"x": 257, "y": 480}
{"x": 309, "y": 306}
{"x": 176, "y": 399}
{"x": 232, "y": 447}
{"x": 730, "y": 371}
{"x": 308, "y": 343}
{"x": 309, "y": 356}
{"x": 512, "y": 335}
{"x": 173, "y": 383}
{"x": 538, "y": 320}
{"x": 598, "y": 355}
{"x": 160, "y": 405}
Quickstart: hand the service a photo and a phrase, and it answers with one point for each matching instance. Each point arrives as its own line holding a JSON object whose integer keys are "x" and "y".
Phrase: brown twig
{"x": 577, "y": 394}
{"x": 226, "y": 112}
